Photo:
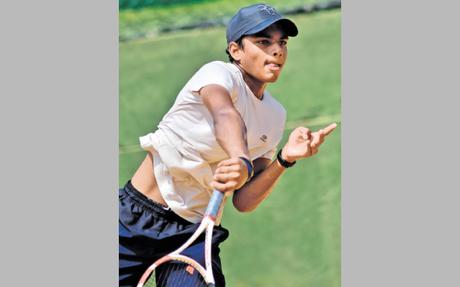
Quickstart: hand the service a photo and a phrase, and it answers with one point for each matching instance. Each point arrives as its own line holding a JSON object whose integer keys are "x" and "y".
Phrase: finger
{"x": 303, "y": 129}
{"x": 327, "y": 130}
{"x": 228, "y": 169}
{"x": 219, "y": 186}
{"x": 224, "y": 187}
{"x": 305, "y": 136}
{"x": 305, "y": 132}
{"x": 223, "y": 178}
{"x": 321, "y": 139}
{"x": 314, "y": 151}
{"x": 228, "y": 162}
{"x": 316, "y": 138}
{"x": 301, "y": 132}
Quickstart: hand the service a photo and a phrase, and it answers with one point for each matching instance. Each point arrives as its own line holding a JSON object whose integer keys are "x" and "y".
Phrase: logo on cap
{"x": 267, "y": 9}
{"x": 255, "y": 18}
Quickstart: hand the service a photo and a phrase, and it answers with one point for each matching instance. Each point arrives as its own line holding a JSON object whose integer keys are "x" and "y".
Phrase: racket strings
{"x": 176, "y": 274}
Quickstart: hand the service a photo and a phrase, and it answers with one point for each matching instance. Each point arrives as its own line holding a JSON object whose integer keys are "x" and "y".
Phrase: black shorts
{"x": 148, "y": 231}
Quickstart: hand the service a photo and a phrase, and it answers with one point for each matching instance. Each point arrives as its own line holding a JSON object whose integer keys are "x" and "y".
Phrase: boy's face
{"x": 263, "y": 55}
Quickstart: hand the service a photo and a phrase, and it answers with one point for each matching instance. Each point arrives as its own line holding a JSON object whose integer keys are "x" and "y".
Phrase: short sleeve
{"x": 213, "y": 73}
{"x": 269, "y": 154}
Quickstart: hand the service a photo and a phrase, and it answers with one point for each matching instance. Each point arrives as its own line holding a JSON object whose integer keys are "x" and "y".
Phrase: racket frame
{"x": 207, "y": 225}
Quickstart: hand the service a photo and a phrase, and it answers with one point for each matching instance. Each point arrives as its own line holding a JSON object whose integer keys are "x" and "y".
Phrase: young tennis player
{"x": 221, "y": 133}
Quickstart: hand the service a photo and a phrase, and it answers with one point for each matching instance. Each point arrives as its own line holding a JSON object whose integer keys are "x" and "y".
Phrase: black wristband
{"x": 283, "y": 162}
{"x": 250, "y": 167}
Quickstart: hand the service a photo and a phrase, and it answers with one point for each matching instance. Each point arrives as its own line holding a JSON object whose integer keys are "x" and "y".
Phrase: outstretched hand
{"x": 303, "y": 143}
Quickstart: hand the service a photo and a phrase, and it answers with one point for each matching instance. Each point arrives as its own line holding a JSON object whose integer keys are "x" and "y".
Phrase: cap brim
{"x": 287, "y": 25}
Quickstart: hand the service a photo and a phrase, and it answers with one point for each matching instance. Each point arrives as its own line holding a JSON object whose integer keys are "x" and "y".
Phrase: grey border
{"x": 59, "y": 123}
{"x": 400, "y": 175}
{"x": 59, "y": 150}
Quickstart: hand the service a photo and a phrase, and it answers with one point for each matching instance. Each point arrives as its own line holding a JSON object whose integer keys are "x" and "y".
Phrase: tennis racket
{"x": 175, "y": 269}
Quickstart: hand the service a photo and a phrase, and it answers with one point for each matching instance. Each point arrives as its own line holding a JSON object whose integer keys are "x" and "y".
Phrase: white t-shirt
{"x": 185, "y": 150}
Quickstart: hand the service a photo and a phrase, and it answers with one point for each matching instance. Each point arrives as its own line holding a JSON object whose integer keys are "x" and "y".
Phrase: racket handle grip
{"x": 211, "y": 285}
{"x": 214, "y": 203}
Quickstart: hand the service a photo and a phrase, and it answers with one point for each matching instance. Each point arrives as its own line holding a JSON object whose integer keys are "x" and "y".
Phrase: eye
{"x": 263, "y": 42}
{"x": 283, "y": 43}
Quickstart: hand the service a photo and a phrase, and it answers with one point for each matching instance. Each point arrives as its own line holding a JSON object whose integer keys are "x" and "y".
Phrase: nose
{"x": 277, "y": 50}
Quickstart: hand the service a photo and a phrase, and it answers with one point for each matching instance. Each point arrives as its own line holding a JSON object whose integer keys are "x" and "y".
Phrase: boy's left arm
{"x": 301, "y": 144}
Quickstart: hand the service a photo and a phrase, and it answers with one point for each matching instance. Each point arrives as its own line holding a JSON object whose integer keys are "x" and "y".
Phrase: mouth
{"x": 273, "y": 66}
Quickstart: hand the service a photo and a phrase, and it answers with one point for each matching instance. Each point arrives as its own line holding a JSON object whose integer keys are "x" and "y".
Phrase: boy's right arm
{"x": 230, "y": 132}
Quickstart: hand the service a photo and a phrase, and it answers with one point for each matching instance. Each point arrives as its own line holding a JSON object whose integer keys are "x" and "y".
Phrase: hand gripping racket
{"x": 175, "y": 269}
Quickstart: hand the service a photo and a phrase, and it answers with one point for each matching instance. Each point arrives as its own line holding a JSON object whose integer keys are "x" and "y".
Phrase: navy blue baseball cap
{"x": 255, "y": 18}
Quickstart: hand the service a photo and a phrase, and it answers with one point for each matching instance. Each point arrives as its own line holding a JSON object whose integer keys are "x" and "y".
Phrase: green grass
{"x": 150, "y": 20}
{"x": 293, "y": 238}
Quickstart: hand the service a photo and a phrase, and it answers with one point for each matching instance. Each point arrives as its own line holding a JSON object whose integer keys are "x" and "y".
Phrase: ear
{"x": 235, "y": 50}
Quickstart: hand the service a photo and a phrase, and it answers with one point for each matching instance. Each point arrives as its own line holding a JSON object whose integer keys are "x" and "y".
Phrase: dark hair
{"x": 240, "y": 44}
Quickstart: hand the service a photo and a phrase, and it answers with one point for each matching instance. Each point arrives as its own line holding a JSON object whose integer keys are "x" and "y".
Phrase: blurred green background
{"x": 293, "y": 238}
